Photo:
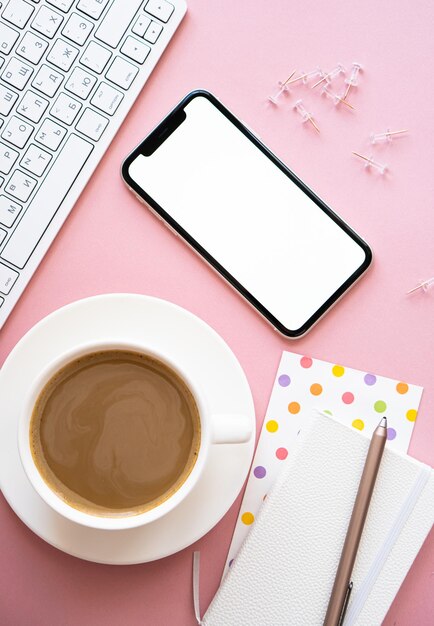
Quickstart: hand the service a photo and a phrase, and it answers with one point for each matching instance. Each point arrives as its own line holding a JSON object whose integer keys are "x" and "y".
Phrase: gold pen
{"x": 342, "y": 586}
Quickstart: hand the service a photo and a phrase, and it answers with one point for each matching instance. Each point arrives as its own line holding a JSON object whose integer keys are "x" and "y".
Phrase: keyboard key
{"x": 160, "y": 8}
{"x": 116, "y": 21}
{"x": 141, "y": 25}
{"x": 35, "y": 160}
{"x": 7, "y": 100}
{"x": 153, "y": 32}
{"x": 62, "y": 55}
{"x": 9, "y": 211}
{"x": 8, "y": 37}
{"x": 50, "y": 134}
{"x": 47, "y": 22}
{"x": 47, "y": 80}
{"x": 1, "y": 300}
{"x": 21, "y": 186}
{"x": 40, "y": 212}
{"x": 18, "y": 13}
{"x": 7, "y": 278}
{"x": 17, "y": 132}
{"x": 77, "y": 29}
{"x": 63, "y": 5}
{"x": 32, "y": 47}
{"x": 80, "y": 83}
{"x": 32, "y": 106}
{"x": 122, "y": 73}
{"x": 2, "y": 180}
{"x": 65, "y": 109}
{"x": 92, "y": 124}
{"x": 107, "y": 98}
{"x": 7, "y": 158}
{"x": 135, "y": 49}
{"x": 95, "y": 57}
{"x": 92, "y": 8}
{"x": 3, "y": 234}
{"x": 17, "y": 73}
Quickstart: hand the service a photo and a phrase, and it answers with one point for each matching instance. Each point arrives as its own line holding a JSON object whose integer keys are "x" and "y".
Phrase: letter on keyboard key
{"x": 160, "y": 8}
{"x": 17, "y": 132}
{"x": 92, "y": 124}
{"x": 77, "y": 29}
{"x": 116, "y": 21}
{"x": 93, "y": 8}
{"x": 47, "y": 22}
{"x": 8, "y": 211}
{"x": 122, "y": 73}
{"x": 7, "y": 278}
{"x": 18, "y": 13}
{"x": 7, "y": 100}
{"x": 65, "y": 109}
{"x": 35, "y": 160}
{"x": 80, "y": 83}
{"x": 7, "y": 158}
{"x": 21, "y": 186}
{"x": 32, "y": 106}
{"x": 43, "y": 207}
{"x": 50, "y": 134}
{"x": 62, "y": 55}
{"x": 8, "y": 37}
{"x": 32, "y": 47}
{"x": 47, "y": 80}
{"x": 17, "y": 73}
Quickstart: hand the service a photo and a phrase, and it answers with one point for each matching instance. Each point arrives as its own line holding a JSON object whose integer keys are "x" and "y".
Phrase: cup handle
{"x": 231, "y": 428}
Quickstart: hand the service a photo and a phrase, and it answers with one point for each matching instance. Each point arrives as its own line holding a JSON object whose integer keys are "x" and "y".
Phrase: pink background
{"x": 111, "y": 243}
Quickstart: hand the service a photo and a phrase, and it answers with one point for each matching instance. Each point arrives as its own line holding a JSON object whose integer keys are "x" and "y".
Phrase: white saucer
{"x": 162, "y": 324}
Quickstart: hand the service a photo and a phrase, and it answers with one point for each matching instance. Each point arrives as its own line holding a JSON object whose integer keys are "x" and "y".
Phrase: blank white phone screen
{"x": 248, "y": 215}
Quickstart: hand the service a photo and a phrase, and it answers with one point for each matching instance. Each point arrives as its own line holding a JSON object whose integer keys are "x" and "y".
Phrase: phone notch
{"x": 162, "y": 132}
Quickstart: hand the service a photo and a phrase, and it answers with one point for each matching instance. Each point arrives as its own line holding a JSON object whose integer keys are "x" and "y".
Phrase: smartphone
{"x": 213, "y": 182}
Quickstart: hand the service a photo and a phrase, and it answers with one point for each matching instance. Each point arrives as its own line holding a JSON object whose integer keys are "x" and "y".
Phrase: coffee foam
{"x": 115, "y": 433}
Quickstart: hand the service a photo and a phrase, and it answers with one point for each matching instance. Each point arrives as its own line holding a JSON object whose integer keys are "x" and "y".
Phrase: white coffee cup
{"x": 215, "y": 429}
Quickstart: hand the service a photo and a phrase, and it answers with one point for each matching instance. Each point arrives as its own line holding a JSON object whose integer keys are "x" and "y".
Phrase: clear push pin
{"x": 305, "y": 115}
{"x": 329, "y": 76}
{"x": 388, "y": 135}
{"x": 352, "y": 81}
{"x": 423, "y": 285}
{"x": 283, "y": 86}
{"x": 334, "y": 96}
{"x": 306, "y": 76}
{"x": 369, "y": 162}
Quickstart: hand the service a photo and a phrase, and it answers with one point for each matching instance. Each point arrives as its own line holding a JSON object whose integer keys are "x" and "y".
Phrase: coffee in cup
{"x": 115, "y": 433}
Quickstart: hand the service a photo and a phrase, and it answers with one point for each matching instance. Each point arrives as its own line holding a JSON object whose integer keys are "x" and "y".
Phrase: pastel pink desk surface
{"x": 111, "y": 243}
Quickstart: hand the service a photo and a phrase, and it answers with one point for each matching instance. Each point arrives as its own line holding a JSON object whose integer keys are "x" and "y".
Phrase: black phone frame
{"x": 158, "y": 136}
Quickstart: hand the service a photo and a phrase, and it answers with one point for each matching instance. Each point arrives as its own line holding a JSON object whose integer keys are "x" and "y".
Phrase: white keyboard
{"x": 70, "y": 70}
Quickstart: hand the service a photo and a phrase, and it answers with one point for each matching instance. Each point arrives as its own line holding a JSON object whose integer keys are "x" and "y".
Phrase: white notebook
{"x": 284, "y": 572}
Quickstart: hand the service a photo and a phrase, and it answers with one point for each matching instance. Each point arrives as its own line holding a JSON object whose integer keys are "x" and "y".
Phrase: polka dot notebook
{"x": 358, "y": 399}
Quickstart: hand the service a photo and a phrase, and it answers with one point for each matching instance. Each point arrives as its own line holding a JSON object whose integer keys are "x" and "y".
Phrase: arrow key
{"x": 135, "y": 49}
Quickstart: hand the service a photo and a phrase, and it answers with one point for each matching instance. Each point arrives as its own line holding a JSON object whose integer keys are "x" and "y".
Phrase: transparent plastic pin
{"x": 369, "y": 162}
{"x": 304, "y": 113}
{"x": 329, "y": 76}
{"x": 352, "y": 80}
{"x": 306, "y": 76}
{"x": 326, "y": 90}
{"x": 388, "y": 135}
{"x": 283, "y": 87}
{"x": 423, "y": 285}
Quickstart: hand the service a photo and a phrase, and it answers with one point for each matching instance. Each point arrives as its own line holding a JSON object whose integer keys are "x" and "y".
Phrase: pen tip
{"x": 383, "y": 423}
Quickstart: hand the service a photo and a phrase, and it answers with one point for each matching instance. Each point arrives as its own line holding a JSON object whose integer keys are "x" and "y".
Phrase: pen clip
{"x": 345, "y": 605}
